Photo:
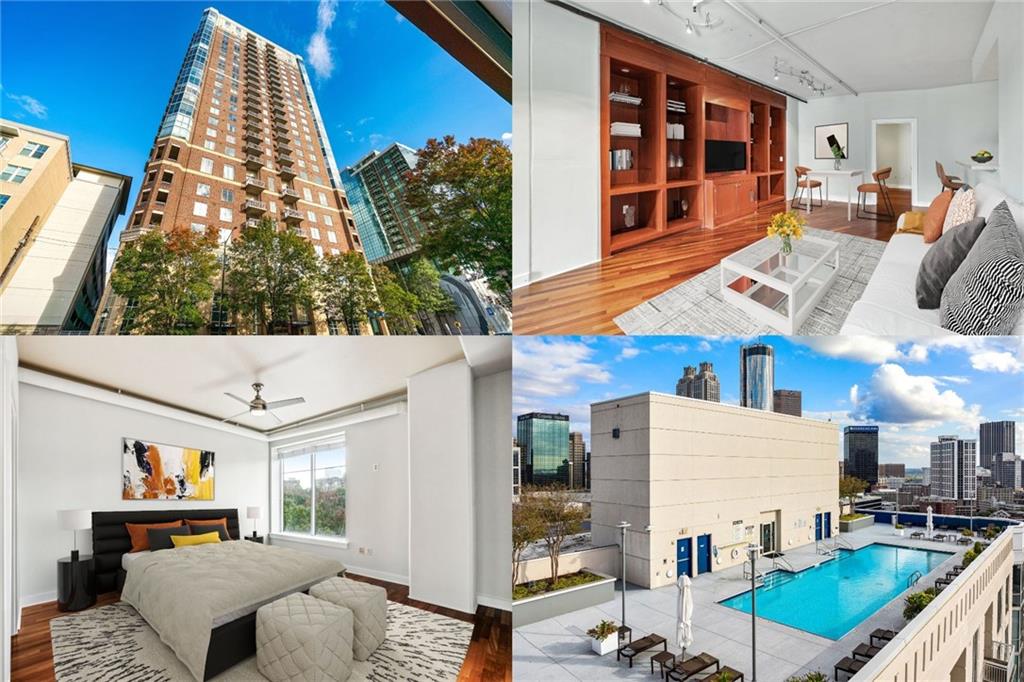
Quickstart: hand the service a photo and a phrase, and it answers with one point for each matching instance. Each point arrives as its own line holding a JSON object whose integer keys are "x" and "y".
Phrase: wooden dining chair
{"x": 803, "y": 182}
{"x": 948, "y": 181}
{"x": 879, "y": 188}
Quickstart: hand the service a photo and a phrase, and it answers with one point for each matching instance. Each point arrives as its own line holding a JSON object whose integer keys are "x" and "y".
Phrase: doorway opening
{"x": 894, "y": 143}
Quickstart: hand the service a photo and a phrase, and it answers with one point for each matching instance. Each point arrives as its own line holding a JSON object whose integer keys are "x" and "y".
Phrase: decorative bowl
{"x": 981, "y": 159}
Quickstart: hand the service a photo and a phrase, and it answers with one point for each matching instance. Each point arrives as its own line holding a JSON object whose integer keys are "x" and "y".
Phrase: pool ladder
{"x": 913, "y": 578}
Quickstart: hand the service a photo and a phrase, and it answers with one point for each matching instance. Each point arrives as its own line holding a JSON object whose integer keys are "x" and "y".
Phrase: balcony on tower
{"x": 284, "y": 161}
{"x": 252, "y": 148}
{"x": 283, "y": 148}
{"x": 286, "y": 173}
{"x": 252, "y": 132}
{"x": 254, "y": 186}
{"x": 252, "y": 108}
{"x": 291, "y": 216}
{"x": 253, "y": 163}
{"x": 289, "y": 195}
{"x": 281, "y": 133}
{"x": 254, "y": 207}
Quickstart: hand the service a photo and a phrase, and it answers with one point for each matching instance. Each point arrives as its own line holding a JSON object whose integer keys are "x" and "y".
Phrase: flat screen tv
{"x": 723, "y": 155}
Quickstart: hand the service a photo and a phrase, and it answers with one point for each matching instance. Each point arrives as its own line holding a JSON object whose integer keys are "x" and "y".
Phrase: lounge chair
{"x": 866, "y": 651}
{"x": 943, "y": 581}
{"x": 917, "y": 534}
{"x": 882, "y": 635}
{"x": 692, "y": 666}
{"x": 964, "y": 540}
{"x": 634, "y": 649}
{"x": 957, "y": 570}
{"x": 939, "y": 537}
{"x": 850, "y": 666}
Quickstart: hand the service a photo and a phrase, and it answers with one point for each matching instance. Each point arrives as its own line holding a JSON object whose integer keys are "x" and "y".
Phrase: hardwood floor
{"x": 489, "y": 656}
{"x": 586, "y": 300}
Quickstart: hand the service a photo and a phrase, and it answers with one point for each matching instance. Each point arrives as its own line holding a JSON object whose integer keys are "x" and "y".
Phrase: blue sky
{"x": 913, "y": 389}
{"x": 108, "y": 68}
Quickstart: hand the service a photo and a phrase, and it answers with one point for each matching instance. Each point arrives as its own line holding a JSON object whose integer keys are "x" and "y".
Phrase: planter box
{"x": 857, "y": 524}
{"x": 603, "y": 647}
{"x": 898, "y": 531}
{"x": 544, "y": 606}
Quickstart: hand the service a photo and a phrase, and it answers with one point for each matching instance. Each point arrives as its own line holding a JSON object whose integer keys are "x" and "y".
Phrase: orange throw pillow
{"x": 139, "y": 536}
{"x": 936, "y": 216}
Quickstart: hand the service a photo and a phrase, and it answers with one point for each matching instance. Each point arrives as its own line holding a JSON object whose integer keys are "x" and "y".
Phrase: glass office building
{"x": 544, "y": 443}
{"x": 375, "y": 242}
{"x": 860, "y": 453}
{"x": 757, "y": 377}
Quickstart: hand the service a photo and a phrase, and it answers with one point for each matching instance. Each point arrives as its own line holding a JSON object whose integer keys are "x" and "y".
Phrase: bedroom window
{"x": 313, "y": 489}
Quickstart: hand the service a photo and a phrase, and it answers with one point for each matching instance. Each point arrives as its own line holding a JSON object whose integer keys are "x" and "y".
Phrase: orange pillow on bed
{"x": 936, "y": 216}
{"x": 139, "y": 535}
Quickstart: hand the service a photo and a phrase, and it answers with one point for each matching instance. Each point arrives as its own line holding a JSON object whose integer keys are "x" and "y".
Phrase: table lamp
{"x": 75, "y": 520}
{"x": 252, "y": 513}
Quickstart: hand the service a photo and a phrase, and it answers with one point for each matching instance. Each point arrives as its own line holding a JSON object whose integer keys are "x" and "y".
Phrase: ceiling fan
{"x": 257, "y": 407}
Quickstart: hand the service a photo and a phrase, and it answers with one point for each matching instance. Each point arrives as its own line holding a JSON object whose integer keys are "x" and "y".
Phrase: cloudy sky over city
{"x": 913, "y": 389}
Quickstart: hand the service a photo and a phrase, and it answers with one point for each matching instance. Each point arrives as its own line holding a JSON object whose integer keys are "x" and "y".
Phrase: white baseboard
{"x": 528, "y": 280}
{"x": 379, "y": 575}
{"x": 494, "y": 602}
{"x": 520, "y": 280}
{"x": 41, "y": 598}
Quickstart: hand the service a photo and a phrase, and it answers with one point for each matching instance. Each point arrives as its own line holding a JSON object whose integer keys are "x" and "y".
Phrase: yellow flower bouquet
{"x": 787, "y": 227}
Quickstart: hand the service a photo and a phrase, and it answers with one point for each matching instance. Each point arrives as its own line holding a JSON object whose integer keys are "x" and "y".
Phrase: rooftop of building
{"x": 706, "y": 404}
{"x": 232, "y": 22}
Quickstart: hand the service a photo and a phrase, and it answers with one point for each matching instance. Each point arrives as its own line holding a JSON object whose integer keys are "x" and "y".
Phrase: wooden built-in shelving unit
{"x": 653, "y": 183}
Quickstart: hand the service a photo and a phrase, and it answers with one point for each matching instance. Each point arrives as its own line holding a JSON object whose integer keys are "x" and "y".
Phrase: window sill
{"x": 337, "y": 543}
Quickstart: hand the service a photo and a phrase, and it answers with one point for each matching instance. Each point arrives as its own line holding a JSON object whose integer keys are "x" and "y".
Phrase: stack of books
{"x": 676, "y": 131}
{"x": 623, "y": 98}
{"x": 626, "y": 129}
{"x": 622, "y": 159}
{"x": 676, "y": 106}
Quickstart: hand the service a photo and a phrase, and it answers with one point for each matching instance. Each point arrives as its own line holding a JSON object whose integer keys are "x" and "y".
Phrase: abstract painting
{"x": 151, "y": 471}
{"x": 828, "y": 136}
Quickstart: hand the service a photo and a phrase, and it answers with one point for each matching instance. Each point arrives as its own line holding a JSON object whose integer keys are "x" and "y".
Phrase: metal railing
{"x": 779, "y": 562}
{"x": 822, "y": 548}
{"x": 913, "y": 578}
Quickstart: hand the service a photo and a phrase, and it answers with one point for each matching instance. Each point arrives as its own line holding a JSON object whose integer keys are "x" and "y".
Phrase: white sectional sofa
{"x": 888, "y": 306}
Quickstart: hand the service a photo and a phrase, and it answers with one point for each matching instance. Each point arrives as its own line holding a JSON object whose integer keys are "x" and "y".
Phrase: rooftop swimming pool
{"x": 836, "y": 596}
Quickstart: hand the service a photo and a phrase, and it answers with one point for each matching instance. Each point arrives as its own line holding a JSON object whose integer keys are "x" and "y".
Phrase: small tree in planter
{"x": 562, "y": 516}
{"x": 991, "y": 532}
{"x": 899, "y": 529}
{"x": 815, "y": 676}
{"x": 527, "y": 528}
{"x": 916, "y": 602}
{"x": 849, "y": 488}
{"x": 601, "y": 639}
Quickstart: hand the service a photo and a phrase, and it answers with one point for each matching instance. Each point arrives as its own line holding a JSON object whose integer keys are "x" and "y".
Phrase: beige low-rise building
{"x": 699, "y": 481}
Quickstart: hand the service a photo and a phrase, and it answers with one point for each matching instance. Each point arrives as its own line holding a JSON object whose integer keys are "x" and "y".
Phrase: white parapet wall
{"x": 599, "y": 559}
{"x": 960, "y": 632}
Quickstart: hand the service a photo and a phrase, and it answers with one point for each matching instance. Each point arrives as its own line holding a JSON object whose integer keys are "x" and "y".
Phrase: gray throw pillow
{"x": 986, "y": 293}
{"x": 942, "y": 260}
{"x": 160, "y": 538}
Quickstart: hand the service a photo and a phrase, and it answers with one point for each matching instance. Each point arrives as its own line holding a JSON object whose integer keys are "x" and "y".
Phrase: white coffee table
{"x": 780, "y": 291}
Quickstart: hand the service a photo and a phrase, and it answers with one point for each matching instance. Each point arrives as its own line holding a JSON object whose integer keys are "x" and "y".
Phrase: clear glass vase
{"x": 786, "y": 247}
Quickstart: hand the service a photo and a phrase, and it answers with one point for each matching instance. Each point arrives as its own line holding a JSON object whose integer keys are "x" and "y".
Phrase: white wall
{"x": 556, "y": 145}
{"x": 492, "y": 405}
{"x": 442, "y": 562}
{"x": 952, "y": 124}
{"x": 893, "y": 148}
{"x": 377, "y": 499}
{"x": 10, "y": 611}
{"x": 71, "y": 459}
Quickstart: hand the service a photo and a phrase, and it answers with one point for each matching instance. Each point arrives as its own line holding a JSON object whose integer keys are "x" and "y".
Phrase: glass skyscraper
{"x": 860, "y": 453}
{"x": 996, "y": 438}
{"x": 375, "y": 242}
{"x": 757, "y": 377}
{"x": 544, "y": 443}
{"x": 384, "y": 175}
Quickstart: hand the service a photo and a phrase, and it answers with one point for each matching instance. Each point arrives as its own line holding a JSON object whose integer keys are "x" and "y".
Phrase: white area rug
{"x": 114, "y": 642}
{"x": 695, "y": 307}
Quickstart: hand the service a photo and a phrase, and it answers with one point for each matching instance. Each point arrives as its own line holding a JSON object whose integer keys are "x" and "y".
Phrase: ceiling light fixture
{"x": 803, "y": 76}
{"x": 703, "y": 20}
{"x": 689, "y": 28}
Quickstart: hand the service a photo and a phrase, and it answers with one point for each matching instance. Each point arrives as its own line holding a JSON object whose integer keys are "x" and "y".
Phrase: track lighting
{"x": 689, "y": 28}
{"x": 802, "y": 76}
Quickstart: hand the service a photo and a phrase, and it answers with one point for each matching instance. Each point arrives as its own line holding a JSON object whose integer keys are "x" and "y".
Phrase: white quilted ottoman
{"x": 369, "y": 606}
{"x": 302, "y": 639}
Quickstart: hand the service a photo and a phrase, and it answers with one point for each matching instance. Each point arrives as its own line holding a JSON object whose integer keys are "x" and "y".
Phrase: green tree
{"x": 463, "y": 193}
{"x": 399, "y": 306}
{"x": 850, "y": 487}
{"x": 169, "y": 276}
{"x": 527, "y": 528}
{"x": 561, "y": 516}
{"x": 424, "y": 282}
{"x": 346, "y": 289}
{"x": 270, "y": 273}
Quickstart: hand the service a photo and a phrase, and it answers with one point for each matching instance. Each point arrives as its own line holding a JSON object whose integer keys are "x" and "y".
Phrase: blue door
{"x": 683, "y": 549}
{"x": 828, "y": 524}
{"x": 817, "y": 526}
{"x": 703, "y": 554}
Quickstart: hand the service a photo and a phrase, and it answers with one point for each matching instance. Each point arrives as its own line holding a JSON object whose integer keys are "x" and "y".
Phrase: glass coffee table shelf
{"x": 777, "y": 290}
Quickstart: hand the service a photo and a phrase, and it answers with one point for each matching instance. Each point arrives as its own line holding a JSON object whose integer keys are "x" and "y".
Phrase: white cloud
{"x": 1017, "y": 412}
{"x": 506, "y": 137}
{"x": 549, "y": 367}
{"x": 952, "y": 380}
{"x": 863, "y": 348}
{"x": 894, "y": 397}
{"x": 677, "y": 348}
{"x": 318, "y": 52}
{"x": 628, "y": 352}
{"x": 704, "y": 346}
{"x": 30, "y": 105}
{"x": 997, "y": 361}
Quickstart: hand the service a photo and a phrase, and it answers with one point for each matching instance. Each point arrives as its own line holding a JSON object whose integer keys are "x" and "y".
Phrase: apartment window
{"x": 225, "y": 214}
{"x": 210, "y": 132}
{"x": 151, "y": 176}
{"x": 202, "y": 190}
{"x": 199, "y": 209}
{"x": 16, "y": 174}
{"x": 209, "y": 144}
{"x": 206, "y": 165}
{"x": 227, "y": 195}
{"x": 230, "y": 139}
{"x": 328, "y": 220}
{"x": 319, "y": 250}
{"x": 307, "y": 194}
{"x": 229, "y": 151}
{"x": 323, "y": 198}
{"x": 313, "y": 488}
{"x": 335, "y": 252}
{"x": 332, "y": 237}
{"x": 311, "y": 216}
{"x": 273, "y": 207}
{"x": 34, "y": 150}
{"x": 198, "y": 228}
{"x": 168, "y": 176}
{"x": 4, "y": 198}
{"x": 229, "y": 172}
{"x": 315, "y": 233}
{"x": 175, "y": 151}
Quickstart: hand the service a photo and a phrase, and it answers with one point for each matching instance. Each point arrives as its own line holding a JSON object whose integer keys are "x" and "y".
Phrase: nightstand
{"x": 251, "y": 538}
{"x": 76, "y": 583}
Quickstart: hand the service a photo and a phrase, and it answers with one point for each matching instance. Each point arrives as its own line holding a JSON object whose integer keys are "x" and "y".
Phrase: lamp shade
{"x": 75, "y": 519}
{"x": 252, "y": 512}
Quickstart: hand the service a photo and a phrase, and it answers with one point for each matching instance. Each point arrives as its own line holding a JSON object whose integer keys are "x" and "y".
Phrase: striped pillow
{"x": 961, "y": 209}
{"x": 986, "y": 293}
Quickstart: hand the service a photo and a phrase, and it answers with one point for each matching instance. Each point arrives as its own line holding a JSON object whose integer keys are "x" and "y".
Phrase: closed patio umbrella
{"x": 684, "y": 615}
{"x": 930, "y": 523}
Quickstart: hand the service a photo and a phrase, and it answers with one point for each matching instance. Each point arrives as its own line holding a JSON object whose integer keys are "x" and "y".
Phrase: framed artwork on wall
{"x": 827, "y": 136}
{"x": 152, "y": 471}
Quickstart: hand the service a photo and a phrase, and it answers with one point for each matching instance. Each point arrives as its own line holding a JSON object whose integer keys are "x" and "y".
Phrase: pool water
{"x": 836, "y": 596}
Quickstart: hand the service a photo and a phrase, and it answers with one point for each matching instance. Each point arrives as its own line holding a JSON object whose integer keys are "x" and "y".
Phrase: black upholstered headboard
{"x": 110, "y": 539}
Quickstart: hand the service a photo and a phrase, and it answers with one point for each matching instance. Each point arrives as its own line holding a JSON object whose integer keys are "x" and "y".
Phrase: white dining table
{"x": 849, "y": 173}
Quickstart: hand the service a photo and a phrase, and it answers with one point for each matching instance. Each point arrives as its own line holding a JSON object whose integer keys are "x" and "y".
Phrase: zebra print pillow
{"x": 986, "y": 293}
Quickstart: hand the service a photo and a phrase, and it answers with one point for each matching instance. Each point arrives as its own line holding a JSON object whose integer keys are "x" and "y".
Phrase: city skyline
{"x": 340, "y": 43}
{"x": 915, "y": 390}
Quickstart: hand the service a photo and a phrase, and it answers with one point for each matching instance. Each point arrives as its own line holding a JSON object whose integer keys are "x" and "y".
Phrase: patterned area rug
{"x": 113, "y": 642}
{"x": 696, "y": 306}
